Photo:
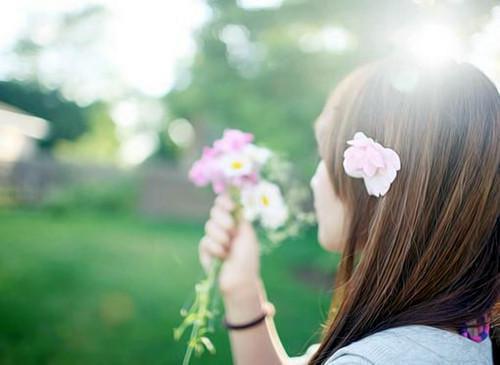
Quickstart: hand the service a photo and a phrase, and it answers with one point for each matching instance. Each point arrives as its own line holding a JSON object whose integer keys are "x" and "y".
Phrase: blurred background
{"x": 105, "y": 104}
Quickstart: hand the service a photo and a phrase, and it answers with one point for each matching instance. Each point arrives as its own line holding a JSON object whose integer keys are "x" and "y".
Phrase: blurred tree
{"x": 269, "y": 70}
{"x": 99, "y": 144}
{"x": 59, "y": 50}
{"x": 67, "y": 120}
{"x": 167, "y": 149}
{"x": 53, "y": 73}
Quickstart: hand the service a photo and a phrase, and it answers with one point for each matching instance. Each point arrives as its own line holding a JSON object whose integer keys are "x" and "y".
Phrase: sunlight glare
{"x": 434, "y": 44}
{"x": 259, "y": 4}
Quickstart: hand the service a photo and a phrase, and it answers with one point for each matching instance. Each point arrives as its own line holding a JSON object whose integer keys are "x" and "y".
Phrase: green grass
{"x": 101, "y": 289}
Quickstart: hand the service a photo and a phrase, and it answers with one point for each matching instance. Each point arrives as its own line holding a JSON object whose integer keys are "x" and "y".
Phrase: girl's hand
{"x": 234, "y": 243}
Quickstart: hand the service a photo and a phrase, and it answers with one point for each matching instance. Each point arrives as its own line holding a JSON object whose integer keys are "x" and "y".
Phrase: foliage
{"x": 167, "y": 149}
{"x": 99, "y": 144}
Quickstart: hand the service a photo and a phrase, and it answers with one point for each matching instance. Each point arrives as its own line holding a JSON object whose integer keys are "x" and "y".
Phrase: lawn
{"x": 102, "y": 289}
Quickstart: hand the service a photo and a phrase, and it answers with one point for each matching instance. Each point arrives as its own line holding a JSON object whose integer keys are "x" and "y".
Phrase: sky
{"x": 141, "y": 41}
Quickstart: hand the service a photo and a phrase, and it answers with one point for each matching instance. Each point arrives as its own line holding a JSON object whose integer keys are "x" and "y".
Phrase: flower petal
{"x": 368, "y": 168}
{"x": 380, "y": 183}
{"x": 392, "y": 158}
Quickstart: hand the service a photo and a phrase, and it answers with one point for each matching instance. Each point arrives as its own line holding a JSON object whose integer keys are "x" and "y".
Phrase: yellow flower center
{"x": 236, "y": 165}
{"x": 265, "y": 200}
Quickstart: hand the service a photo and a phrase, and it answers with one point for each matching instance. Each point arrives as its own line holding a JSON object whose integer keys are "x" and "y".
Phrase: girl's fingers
{"x": 213, "y": 248}
{"x": 216, "y": 233}
{"x": 205, "y": 258}
{"x": 218, "y": 230}
{"x": 225, "y": 202}
{"x": 222, "y": 217}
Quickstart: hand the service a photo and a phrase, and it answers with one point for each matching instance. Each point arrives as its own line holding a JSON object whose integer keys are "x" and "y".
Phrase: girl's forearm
{"x": 259, "y": 344}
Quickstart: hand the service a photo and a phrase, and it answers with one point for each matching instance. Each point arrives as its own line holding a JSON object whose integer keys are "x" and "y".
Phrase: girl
{"x": 407, "y": 187}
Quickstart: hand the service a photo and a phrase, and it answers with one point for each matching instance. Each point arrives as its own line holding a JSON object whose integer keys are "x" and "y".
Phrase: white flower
{"x": 259, "y": 155}
{"x": 265, "y": 201}
{"x": 248, "y": 198}
{"x": 235, "y": 164}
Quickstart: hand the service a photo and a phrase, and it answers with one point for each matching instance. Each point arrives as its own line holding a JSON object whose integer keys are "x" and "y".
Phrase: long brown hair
{"x": 428, "y": 250}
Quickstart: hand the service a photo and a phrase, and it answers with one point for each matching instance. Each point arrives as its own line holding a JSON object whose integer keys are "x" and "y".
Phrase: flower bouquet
{"x": 260, "y": 183}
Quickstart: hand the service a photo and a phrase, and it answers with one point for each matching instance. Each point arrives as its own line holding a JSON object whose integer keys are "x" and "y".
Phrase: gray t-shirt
{"x": 409, "y": 345}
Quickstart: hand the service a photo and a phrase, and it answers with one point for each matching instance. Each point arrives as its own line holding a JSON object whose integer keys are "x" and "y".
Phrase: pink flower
{"x": 375, "y": 164}
{"x": 203, "y": 170}
{"x": 232, "y": 140}
{"x": 246, "y": 180}
{"x": 218, "y": 185}
{"x": 233, "y": 160}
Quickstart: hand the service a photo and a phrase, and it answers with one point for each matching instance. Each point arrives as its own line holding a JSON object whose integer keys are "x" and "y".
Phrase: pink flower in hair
{"x": 375, "y": 164}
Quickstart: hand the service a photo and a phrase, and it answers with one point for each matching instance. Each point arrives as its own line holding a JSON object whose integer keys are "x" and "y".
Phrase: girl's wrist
{"x": 245, "y": 302}
{"x": 239, "y": 286}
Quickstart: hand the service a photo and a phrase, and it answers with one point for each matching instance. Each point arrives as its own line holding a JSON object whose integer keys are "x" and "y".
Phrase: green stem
{"x": 203, "y": 308}
{"x": 205, "y": 291}
{"x": 189, "y": 350}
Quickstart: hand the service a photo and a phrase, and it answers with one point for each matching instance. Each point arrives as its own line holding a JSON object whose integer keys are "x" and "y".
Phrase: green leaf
{"x": 208, "y": 344}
